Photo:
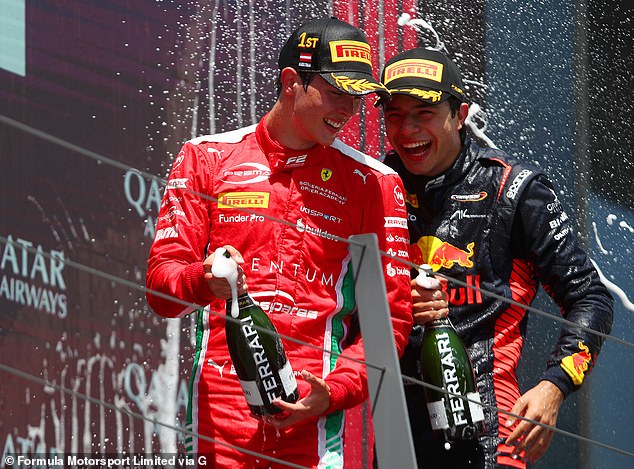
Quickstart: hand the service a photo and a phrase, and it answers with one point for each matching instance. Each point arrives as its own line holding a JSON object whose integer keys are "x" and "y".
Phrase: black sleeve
{"x": 544, "y": 234}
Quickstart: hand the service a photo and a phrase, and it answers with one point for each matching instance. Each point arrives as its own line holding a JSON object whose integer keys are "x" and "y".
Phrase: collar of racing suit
{"x": 281, "y": 158}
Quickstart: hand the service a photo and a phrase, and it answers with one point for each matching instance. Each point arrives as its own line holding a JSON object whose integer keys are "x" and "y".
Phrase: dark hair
{"x": 306, "y": 78}
{"x": 454, "y": 106}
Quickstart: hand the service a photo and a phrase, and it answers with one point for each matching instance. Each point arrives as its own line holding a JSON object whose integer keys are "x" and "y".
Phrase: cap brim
{"x": 356, "y": 83}
{"x": 426, "y": 96}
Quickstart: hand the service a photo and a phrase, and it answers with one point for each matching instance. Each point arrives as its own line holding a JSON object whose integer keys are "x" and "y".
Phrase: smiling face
{"x": 425, "y": 136}
{"x": 319, "y": 112}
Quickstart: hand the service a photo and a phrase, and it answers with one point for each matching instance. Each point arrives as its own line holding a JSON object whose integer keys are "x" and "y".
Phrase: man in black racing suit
{"x": 493, "y": 223}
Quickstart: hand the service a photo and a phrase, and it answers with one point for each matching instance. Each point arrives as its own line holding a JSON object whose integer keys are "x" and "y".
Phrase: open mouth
{"x": 335, "y": 125}
{"x": 417, "y": 149}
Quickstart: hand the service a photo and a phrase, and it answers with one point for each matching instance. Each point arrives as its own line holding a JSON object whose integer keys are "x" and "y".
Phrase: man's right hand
{"x": 219, "y": 286}
{"x": 429, "y": 300}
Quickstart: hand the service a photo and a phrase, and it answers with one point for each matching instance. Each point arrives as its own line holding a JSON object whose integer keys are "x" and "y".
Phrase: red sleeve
{"x": 385, "y": 215}
{"x": 394, "y": 241}
{"x": 182, "y": 232}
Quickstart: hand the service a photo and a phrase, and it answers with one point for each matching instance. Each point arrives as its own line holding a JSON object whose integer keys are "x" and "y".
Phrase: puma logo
{"x": 220, "y": 368}
{"x": 363, "y": 176}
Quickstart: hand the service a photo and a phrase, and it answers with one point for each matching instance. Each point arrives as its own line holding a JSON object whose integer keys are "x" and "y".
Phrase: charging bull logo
{"x": 438, "y": 253}
{"x": 577, "y": 364}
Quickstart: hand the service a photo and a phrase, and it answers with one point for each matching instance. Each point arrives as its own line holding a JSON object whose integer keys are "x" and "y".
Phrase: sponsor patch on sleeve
{"x": 577, "y": 364}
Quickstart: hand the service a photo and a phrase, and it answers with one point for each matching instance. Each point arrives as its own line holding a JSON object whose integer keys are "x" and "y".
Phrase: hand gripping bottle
{"x": 446, "y": 364}
{"x": 255, "y": 347}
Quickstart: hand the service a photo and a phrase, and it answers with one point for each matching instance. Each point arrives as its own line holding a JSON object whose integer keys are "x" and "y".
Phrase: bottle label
{"x": 287, "y": 377}
{"x": 245, "y": 301}
{"x": 252, "y": 393}
{"x": 451, "y": 379}
{"x": 263, "y": 367}
{"x": 437, "y": 415}
{"x": 477, "y": 413}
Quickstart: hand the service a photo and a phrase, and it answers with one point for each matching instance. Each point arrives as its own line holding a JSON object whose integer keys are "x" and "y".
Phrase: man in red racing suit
{"x": 285, "y": 211}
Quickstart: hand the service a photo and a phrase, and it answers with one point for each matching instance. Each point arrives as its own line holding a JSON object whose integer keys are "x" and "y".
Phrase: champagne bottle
{"x": 445, "y": 363}
{"x": 258, "y": 354}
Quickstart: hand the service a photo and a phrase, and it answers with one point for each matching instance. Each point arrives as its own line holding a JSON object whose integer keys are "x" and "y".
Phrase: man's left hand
{"x": 541, "y": 404}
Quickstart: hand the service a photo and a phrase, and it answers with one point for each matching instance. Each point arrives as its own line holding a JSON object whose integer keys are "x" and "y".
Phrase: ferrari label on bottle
{"x": 446, "y": 364}
{"x": 456, "y": 404}
{"x": 260, "y": 359}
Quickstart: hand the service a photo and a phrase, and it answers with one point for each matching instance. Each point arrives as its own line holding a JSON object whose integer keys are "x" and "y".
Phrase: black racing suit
{"x": 496, "y": 224}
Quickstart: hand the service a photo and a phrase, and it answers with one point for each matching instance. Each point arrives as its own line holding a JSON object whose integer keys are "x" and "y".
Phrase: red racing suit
{"x": 495, "y": 223}
{"x": 283, "y": 210}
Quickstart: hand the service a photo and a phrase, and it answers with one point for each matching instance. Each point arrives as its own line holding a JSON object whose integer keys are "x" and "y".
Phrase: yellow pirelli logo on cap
{"x": 350, "y": 51}
{"x": 243, "y": 200}
{"x": 417, "y": 68}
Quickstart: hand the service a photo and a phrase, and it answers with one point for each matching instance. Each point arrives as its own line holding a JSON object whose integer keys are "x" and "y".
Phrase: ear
{"x": 288, "y": 78}
{"x": 463, "y": 112}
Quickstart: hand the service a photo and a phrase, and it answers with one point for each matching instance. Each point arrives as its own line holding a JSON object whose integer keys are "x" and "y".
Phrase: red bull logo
{"x": 438, "y": 253}
{"x": 577, "y": 364}
{"x": 441, "y": 254}
{"x": 470, "y": 294}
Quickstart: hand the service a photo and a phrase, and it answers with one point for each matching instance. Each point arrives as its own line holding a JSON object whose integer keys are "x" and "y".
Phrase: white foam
{"x": 226, "y": 267}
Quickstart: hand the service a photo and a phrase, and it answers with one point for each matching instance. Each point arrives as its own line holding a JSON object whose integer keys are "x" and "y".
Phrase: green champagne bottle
{"x": 258, "y": 355}
{"x": 445, "y": 363}
{"x": 259, "y": 359}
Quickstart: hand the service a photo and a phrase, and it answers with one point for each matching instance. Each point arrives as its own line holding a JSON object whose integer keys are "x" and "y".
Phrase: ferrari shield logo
{"x": 326, "y": 174}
